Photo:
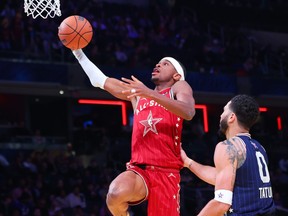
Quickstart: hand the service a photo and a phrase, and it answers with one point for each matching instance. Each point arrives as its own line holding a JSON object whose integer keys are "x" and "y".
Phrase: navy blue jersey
{"x": 252, "y": 194}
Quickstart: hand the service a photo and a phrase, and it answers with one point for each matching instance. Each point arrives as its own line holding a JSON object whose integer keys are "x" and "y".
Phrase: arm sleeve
{"x": 96, "y": 76}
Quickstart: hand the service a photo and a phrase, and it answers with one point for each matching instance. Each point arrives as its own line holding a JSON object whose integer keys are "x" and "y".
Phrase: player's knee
{"x": 116, "y": 202}
{"x": 114, "y": 195}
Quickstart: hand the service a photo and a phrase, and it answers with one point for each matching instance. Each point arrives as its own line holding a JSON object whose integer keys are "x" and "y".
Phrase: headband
{"x": 176, "y": 65}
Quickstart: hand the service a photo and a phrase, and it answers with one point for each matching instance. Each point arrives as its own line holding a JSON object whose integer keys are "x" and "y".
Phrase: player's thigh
{"x": 129, "y": 185}
{"x": 164, "y": 197}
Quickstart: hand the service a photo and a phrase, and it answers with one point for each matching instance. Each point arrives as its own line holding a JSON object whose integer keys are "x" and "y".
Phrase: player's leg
{"x": 128, "y": 187}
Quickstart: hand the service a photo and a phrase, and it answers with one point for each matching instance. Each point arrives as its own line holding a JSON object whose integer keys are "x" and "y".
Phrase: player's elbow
{"x": 94, "y": 84}
{"x": 189, "y": 115}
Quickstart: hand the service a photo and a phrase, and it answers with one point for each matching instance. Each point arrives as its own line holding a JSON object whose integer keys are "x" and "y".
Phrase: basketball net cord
{"x": 43, "y": 8}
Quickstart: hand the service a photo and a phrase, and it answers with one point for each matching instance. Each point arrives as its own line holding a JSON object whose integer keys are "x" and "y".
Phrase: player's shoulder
{"x": 235, "y": 143}
{"x": 234, "y": 148}
{"x": 181, "y": 82}
{"x": 181, "y": 86}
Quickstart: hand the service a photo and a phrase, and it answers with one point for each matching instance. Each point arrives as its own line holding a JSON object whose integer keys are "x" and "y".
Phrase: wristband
{"x": 224, "y": 196}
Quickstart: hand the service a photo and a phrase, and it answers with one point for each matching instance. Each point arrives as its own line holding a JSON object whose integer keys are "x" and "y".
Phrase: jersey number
{"x": 263, "y": 168}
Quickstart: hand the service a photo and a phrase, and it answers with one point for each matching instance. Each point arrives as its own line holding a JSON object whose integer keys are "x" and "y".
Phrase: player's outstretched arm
{"x": 98, "y": 78}
{"x": 205, "y": 173}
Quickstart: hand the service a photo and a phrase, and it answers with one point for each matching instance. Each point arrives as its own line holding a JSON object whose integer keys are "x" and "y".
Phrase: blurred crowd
{"x": 126, "y": 35}
{"x": 52, "y": 183}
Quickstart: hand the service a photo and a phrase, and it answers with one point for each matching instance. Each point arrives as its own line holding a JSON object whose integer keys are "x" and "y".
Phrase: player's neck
{"x": 234, "y": 131}
{"x": 161, "y": 88}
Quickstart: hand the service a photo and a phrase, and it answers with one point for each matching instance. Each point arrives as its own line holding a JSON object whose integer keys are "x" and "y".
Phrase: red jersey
{"x": 156, "y": 137}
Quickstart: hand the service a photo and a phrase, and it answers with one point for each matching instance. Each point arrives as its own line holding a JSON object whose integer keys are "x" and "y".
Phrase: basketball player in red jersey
{"x": 153, "y": 172}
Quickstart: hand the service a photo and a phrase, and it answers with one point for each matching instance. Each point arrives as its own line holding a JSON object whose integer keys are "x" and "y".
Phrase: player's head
{"x": 172, "y": 67}
{"x": 246, "y": 110}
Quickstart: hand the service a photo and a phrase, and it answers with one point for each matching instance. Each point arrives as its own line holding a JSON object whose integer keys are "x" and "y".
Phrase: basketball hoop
{"x": 43, "y": 8}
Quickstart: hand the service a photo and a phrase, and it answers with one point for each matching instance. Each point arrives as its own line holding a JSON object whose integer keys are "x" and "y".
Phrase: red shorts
{"x": 163, "y": 189}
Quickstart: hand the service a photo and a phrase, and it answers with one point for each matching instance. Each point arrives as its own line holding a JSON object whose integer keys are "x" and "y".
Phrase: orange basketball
{"x": 75, "y": 32}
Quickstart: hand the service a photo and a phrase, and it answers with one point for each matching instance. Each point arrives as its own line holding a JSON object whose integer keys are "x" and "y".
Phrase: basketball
{"x": 75, "y": 32}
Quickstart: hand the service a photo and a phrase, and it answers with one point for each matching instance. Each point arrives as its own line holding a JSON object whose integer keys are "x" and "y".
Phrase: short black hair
{"x": 246, "y": 109}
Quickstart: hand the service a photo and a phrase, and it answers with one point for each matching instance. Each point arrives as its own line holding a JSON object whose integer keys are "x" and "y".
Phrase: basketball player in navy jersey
{"x": 153, "y": 173}
{"x": 241, "y": 175}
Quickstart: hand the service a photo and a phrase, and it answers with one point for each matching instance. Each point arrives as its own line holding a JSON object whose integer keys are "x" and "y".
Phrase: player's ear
{"x": 232, "y": 117}
{"x": 176, "y": 76}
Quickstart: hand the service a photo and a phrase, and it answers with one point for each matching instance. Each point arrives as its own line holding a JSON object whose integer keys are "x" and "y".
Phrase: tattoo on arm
{"x": 236, "y": 152}
{"x": 232, "y": 154}
{"x": 231, "y": 151}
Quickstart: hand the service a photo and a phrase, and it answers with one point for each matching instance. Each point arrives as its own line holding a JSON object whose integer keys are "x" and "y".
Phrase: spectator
{"x": 61, "y": 200}
{"x": 76, "y": 198}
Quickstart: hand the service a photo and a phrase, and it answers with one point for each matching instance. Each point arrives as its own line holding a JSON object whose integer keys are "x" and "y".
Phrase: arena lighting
{"x": 263, "y": 109}
{"x": 279, "y": 120}
{"x": 109, "y": 102}
{"x": 279, "y": 123}
{"x": 124, "y": 109}
{"x": 205, "y": 116}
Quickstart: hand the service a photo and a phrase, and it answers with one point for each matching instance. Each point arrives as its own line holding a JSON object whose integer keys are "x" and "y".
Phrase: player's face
{"x": 163, "y": 72}
{"x": 223, "y": 125}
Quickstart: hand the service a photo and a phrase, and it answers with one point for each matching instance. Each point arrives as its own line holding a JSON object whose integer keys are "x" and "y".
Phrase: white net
{"x": 42, "y": 8}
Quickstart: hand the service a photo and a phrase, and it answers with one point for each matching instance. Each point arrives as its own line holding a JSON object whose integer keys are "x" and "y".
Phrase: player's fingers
{"x": 130, "y": 91}
{"x": 126, "y": 80}
{"x": 132, "y": 95}
{"x": 135, "y": 79}
{"x": 125, "y": 91}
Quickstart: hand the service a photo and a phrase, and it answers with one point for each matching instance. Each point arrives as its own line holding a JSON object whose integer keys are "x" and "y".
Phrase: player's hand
{"x": 136, "y": 88}
{"x": 186, "y": 160}
{"x": 78, "y": 53}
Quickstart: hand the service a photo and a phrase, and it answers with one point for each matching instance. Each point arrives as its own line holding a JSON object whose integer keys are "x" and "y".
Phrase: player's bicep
{"x": 226, "y": 164}
{"x": 183, "y": 92}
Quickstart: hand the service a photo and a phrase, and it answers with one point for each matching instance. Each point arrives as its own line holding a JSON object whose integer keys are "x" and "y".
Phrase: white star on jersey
{"x": 150, "y": 124}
